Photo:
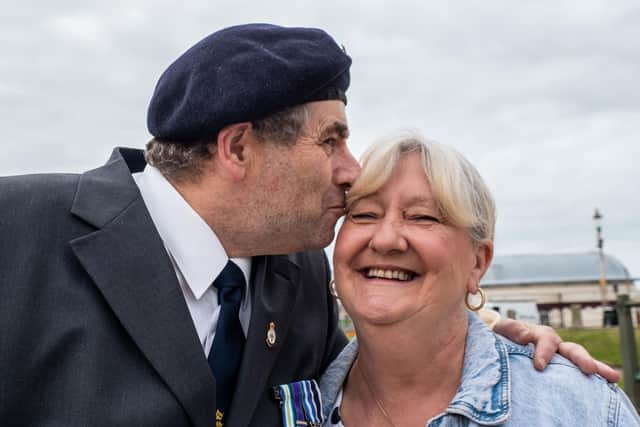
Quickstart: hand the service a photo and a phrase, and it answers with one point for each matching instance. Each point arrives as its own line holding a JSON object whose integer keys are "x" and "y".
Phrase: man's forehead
{"x": 326, "y": 118}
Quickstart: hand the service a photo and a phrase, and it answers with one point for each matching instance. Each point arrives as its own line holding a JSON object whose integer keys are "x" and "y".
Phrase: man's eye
{"x": 331, "y": 142}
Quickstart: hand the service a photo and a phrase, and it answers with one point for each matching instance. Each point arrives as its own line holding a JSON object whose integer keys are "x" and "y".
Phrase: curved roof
{"x": 553, "y": 268}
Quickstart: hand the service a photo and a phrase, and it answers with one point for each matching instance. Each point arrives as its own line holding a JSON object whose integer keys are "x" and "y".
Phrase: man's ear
{"x": 483, "y": 254}
{"x": 233, "y": 148}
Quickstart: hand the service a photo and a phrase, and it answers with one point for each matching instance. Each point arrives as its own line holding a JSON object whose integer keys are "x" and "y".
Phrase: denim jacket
{"x": 499, "y": 386}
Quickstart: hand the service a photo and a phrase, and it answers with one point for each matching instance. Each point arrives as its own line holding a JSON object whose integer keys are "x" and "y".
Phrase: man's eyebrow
{"x": 338, "y": 127}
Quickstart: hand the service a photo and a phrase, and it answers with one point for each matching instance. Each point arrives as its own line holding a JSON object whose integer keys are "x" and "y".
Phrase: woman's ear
{"x": 483, "y": 254}
{"x": 233, "y": 149}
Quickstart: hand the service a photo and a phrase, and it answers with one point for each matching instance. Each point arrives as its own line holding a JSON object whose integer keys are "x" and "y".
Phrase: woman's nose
{"x": 389, "y": 237}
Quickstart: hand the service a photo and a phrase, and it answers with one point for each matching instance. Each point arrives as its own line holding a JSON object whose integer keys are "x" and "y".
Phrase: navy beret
{"x": 244, "y": 73}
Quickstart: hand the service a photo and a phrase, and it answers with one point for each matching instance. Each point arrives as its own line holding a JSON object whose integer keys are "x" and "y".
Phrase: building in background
{"x": 564, "y": 288}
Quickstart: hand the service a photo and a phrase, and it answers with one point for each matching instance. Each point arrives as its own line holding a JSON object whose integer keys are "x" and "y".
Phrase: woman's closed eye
{"x": 423, "y": 218}
{"x": 362, "y": 216}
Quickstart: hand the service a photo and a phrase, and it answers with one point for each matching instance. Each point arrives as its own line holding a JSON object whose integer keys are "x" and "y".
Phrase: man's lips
{"x": 336, "y": 202}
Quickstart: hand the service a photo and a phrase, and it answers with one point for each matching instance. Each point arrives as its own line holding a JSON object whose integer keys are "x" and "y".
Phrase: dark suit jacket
{"x": 94, "y": 329}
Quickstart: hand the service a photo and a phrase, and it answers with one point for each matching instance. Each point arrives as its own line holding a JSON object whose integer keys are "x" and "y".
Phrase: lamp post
{"x": 597, "y": 218}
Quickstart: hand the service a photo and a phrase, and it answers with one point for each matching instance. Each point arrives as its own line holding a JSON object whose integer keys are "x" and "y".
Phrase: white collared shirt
{"x": 195, "y": 252}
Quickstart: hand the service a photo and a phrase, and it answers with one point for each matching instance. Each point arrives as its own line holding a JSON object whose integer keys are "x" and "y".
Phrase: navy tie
{"x": 226, "y": 351}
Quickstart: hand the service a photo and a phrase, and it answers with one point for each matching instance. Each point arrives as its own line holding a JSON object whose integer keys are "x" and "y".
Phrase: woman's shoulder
{"x": 560, "y": 375}
{"x": 562, "y": 394}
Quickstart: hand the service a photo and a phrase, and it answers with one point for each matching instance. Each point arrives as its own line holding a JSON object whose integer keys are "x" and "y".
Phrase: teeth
{"x": 389, "y": 274}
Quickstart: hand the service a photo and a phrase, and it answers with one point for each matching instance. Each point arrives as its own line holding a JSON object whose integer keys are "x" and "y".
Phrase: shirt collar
{"x": 485, "y": 387}
{"x": 193, "y": 245}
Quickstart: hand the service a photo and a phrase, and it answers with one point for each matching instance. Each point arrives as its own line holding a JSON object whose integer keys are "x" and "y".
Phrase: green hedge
{"x": 603, "y": 344}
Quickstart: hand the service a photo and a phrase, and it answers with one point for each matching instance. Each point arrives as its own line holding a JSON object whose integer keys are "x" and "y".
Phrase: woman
{"x": 416, "y": 241}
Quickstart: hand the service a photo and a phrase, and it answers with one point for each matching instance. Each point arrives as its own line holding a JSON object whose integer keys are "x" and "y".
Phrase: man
{"x": 116, "y": 306}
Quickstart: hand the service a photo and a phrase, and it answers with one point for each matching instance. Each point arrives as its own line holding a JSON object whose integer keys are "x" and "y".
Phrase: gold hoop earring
{"x": 476, "y": 307}
{"x": 332, "y": 288}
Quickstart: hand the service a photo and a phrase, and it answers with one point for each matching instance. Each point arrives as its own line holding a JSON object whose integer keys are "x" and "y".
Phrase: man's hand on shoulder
{"x": 547, "y": 342}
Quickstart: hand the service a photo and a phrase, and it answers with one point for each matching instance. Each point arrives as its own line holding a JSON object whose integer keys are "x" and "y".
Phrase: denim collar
{"x": 485, "y": 387}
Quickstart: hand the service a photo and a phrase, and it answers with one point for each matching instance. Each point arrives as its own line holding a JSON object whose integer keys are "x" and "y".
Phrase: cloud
{"x": 83, "y": 29}
{"x": 542, "y": 96}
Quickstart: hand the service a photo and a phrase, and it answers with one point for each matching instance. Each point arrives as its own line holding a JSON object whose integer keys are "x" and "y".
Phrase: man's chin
{"x": 323, "y": 238}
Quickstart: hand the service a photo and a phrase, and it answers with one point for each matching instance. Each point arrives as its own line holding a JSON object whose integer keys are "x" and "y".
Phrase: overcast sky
{"x": 543, "y": 97}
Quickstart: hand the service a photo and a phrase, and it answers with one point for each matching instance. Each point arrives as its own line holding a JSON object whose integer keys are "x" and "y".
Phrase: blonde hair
{"x": 459, "y": 191}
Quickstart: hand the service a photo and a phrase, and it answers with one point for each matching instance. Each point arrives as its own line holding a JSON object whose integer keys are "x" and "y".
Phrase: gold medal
{"x": 271, "y": 335}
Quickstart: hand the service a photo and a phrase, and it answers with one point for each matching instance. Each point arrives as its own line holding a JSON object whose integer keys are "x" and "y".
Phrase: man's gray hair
{"x": 185, "y": 161}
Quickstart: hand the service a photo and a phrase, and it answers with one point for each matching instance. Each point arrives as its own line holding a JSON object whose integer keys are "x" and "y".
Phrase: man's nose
{"x": 347, "y": 170}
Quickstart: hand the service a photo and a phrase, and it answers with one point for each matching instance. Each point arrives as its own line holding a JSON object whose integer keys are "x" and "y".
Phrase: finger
{"x": 606, "y": 371}
{"x": 579, "y": 356}
{"x": 546, "y": 342}
{"x": 543, "y": 352}
{"x": 517, "y": 332}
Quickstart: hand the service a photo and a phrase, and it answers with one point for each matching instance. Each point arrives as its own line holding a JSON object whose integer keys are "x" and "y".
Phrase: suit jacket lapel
{"x": 274, "y": 280}
{"x": 127, "y": 260}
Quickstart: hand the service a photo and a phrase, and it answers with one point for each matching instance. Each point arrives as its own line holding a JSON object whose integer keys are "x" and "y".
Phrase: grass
{"x": 603, "y": 344}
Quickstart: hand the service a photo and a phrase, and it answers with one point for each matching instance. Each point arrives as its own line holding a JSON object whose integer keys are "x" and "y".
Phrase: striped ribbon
{"x": 300, "y": 403}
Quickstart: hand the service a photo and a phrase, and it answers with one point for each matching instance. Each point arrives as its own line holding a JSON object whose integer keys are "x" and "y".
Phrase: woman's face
{"x": 395, "y": 258}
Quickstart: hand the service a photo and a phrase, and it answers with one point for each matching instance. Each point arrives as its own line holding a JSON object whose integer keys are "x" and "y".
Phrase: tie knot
{"x": 230, "y": 277}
